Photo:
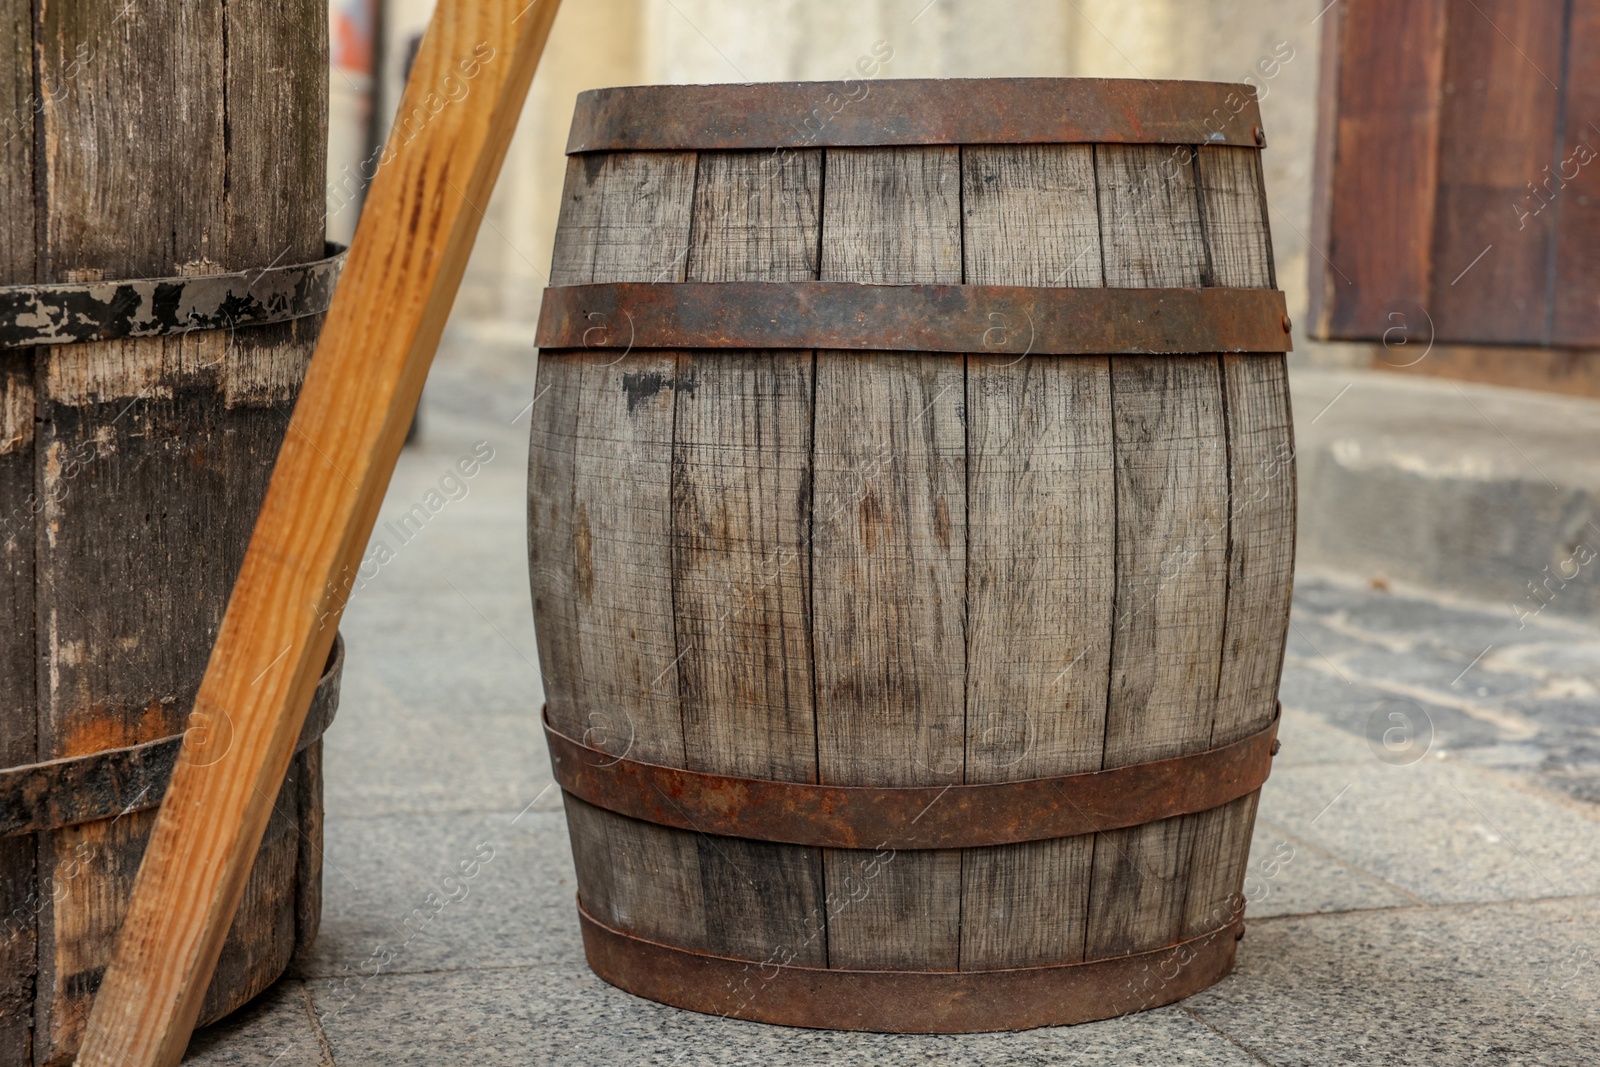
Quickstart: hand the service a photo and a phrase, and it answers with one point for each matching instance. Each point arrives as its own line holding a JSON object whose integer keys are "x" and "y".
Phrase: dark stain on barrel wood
{"x": 900, "y": 569}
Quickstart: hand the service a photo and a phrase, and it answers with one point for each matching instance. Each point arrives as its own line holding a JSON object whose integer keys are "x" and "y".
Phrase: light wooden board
{"x": 1261, "y": 527}
{"x": 889, "y": 555}
{"x": 1171, "y": 531}
{"x": 1040, "y": 549}
{"x": 360, "y": 394}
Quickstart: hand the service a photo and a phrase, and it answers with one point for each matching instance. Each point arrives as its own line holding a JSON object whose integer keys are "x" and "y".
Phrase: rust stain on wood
{"x": 102, "y": 726}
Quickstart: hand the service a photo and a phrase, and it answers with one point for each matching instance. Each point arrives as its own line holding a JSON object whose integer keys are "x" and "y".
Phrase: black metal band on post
{"x": 915, "y": 111}
{"x": 913, "y": 817}
{"x": 1000, "y": 320}
{"x": 112, "y": 782}
{"x": 75, "y": 312}
{"x": 916, "y": 1002}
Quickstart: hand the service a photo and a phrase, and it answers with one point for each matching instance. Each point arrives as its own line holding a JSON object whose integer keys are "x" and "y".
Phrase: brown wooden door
{"x": 1458, "y": 188}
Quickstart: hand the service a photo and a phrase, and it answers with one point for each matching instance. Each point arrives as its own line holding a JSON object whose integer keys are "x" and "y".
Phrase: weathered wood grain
{"x": 306, "y": 773}
{"x": 602, "y": 467}
{"x": 638, "y": 877}
{"x": 553, "y": 419}
{"x": 1000, "y": 567}
{"x": 1149, "y": 216}
{"x": 741, "y": 494}
{"x": 1261, "y": 523}
{"x": 889, "y": 554}
{"x": 18, "y": 106}
{"x": 331, "y": 472}
{"x": 1233, "y": 203}
{"x": 1171, "y": 553}
{"x": 1040, "y": 550}
{"x": 741, "y": 485}
{"x": 19, "y": 893}
{"x": 605, "y": 426}
{"x": 152, "y": 464}
{"x": 18, "y": 715}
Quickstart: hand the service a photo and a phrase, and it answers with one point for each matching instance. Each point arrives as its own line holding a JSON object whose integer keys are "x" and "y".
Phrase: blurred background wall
{"x": 1273, "y": 44}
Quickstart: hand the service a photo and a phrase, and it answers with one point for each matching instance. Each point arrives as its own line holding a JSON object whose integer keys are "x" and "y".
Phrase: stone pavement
{"x": 1482, "y": 491}
{"x": 1425, "y": 883}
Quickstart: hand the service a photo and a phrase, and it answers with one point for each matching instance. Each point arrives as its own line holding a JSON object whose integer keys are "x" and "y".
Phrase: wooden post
{"x": 359, "y": 397}
{"x": 147, "y": 140}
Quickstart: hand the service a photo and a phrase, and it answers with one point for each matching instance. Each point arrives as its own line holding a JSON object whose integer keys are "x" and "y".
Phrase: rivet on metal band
{"x": 112, "y": 782}
{"x": 914, "y": 111}
{"x": 912, "y": 817}
{"x": 947, "y": 1002}
{"x": 1000, "y": 320}
{"x": 75, "y": 312}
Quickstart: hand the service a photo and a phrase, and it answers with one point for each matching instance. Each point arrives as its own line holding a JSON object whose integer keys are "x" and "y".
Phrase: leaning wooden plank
{"x": 358, "y": 400}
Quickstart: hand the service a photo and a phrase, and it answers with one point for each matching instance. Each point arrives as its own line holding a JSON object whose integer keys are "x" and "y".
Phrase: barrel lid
{"x": 863, "y": 112}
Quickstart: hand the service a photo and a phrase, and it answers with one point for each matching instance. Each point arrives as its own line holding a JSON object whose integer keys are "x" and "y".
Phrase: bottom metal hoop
{"x": 908, "y": 1002}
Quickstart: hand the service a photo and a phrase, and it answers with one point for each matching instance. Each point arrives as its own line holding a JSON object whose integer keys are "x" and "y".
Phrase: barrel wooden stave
{"x": 889, "y": 529}
{"x": 1041, "y": 568}
{"x": 962, "y": 513}
{"x": 740, "y": 561}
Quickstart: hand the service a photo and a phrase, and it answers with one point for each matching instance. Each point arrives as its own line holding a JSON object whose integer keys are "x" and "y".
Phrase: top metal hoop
{"x": 915, "y": 111}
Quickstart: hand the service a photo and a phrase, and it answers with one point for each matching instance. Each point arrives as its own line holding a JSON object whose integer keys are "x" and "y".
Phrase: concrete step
{"x": 1478, "y": 491}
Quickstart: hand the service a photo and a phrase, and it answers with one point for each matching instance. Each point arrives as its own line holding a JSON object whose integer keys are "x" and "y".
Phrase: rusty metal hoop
{"x": 909, "y": 1002}
{"x": 915, "y": 111}
{"x": 912, "y": 817}
{"x": 1001, "y": 320}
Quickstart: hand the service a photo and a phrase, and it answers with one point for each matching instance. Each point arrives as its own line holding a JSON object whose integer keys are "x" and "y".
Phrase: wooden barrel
{"x": 911, "y": 529}
{"x": 161, "y": 260}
